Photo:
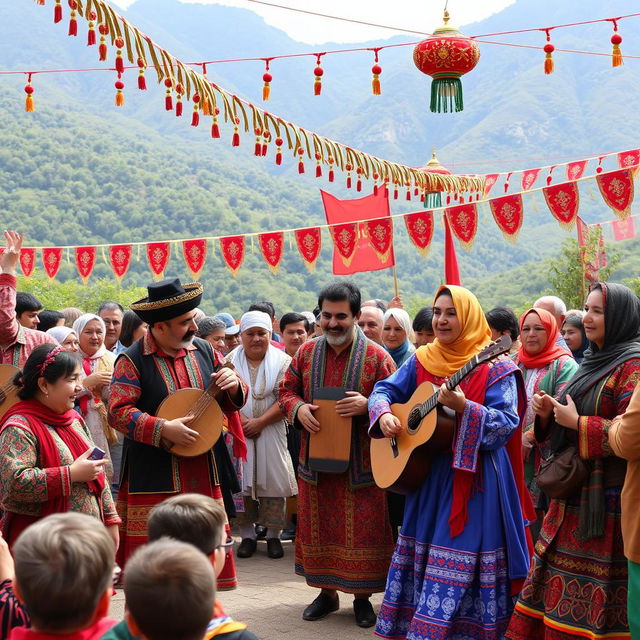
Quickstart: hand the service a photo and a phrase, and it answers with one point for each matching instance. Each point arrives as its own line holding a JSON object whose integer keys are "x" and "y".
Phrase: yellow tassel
{"x": 119, "y": 98}
{"x": 548, "y": 63}
{"x": 616, "y": 60}
{"x": 29, "y": 106}
{"x": 375, "y": 85}
{"x": 206, "y": 107}
{"x": 266, "y": 91}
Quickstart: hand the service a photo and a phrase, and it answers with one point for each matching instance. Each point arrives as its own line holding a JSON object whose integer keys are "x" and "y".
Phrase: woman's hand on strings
{"x": 454, "y": 399}
{"x": 390, "y": 425}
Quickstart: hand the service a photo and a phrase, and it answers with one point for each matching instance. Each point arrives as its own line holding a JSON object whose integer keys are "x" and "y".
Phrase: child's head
{"x": 64, "y": 571}
{"x": 170, "y": 589}
{"x": 192, "y": 518}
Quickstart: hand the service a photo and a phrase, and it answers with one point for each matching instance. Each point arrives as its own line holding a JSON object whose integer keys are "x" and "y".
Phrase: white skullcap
{"x": 311, "y": 319}
{"x": 253, "y": 319}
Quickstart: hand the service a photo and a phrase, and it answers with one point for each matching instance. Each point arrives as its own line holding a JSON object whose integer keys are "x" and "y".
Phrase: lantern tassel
{"x": 57, "y": 12}
{"x": 73, "y": 24}
{"x": 375, "y": 85}
{"x": 446, "y": 95}
{"x": 215, "y": 129}
{"x": 617, "y": 56}
{"x": 266, "y": 91}
{"x": 548, "y": 63}
{"x": 142, "y": 83}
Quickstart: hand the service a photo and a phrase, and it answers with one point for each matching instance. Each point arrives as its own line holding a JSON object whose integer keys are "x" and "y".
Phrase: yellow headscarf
{"x": 443, "y": 360}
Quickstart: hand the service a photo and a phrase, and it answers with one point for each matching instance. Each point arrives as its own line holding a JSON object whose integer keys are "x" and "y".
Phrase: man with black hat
{"x": 168, "y": 358}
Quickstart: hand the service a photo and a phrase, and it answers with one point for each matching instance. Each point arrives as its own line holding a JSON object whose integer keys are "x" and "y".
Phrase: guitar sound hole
{"x": 414, "y": 420}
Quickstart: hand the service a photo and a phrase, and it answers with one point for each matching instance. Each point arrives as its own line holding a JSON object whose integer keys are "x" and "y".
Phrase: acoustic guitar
{"x": 401, "y": 464}
{"x": 207, "y": 415}
{"x": 8, "y": 391}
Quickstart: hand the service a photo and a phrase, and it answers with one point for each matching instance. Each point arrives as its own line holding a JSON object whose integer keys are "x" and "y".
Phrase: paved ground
{"x": 270, "y": 599}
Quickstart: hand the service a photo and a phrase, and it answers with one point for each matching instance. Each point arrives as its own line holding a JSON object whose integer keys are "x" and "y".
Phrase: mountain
{"x": 81, "y": 171}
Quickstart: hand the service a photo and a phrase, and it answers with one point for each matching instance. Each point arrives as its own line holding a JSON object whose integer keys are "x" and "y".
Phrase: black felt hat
{"x": 168, "y": 299}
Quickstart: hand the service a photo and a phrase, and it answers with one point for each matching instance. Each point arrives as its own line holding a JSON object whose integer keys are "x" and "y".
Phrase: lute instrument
{"x": 207, "y": 415}
{"x": 402, "y": 463}
{"x": 8, "y": 390}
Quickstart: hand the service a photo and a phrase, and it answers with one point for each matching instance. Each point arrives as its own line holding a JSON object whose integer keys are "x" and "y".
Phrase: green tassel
{"x": 446, "y": 95}
{"x": 433, "y": 200}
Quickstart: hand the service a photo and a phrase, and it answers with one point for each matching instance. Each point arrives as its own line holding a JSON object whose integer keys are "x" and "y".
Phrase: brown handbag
{"x": 562, "y": 474}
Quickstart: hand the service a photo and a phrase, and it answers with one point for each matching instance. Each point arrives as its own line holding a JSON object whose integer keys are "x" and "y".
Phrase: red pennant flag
{"x": 451, "y": 271}
{"x": 158, "y": 254}
{"x": 85, "y": 261}
{"x": 120, "y": 256}
{"x": 616, "y": 188}
{"x": 232, "y": 250}
{"x": 51, "y": 260}
{"x": 463, "y": 221}
{"x": 508, "y": 213}
{"x": 529, "y": 178}
{"x": 623, "y": 229}
{"x": 630, "y": 160}
{"x": 27, "y": 261}
{"x": 489, "y": 181}
{"x": 380, "y": 234}
{"x": 563, "y": 201}
{"x": 420, "y": 229}
{"x": 576, "y": 169}
{"x": 345, "y": 213}
{"x": 309, "y": 243}
{"x": 195, "y": 255}
{"x": 583, "y": 232}
{"x": 272, "y": 248}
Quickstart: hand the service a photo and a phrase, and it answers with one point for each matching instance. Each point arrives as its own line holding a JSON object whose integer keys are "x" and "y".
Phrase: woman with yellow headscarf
{"x": 462, "y": 552}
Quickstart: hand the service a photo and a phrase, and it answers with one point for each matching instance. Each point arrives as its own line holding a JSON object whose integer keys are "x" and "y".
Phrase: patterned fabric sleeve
{"x": 8, "y": 322}
{"x": 291, "y": 391}
{"x": 486, "y": 426}
{"x": 229, "y": 403}
{"x": 123, "y": 413}
{"x": 12, "y": 613}
{"x": 397, "y": 387}
{"x": 593, "y": 431}
{"x": 22, "y": 480}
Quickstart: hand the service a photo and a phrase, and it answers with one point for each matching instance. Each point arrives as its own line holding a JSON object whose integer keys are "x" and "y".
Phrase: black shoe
{"x": 261, "y": 532}
{"x": 321, "y": 607}
{"x": 365, "y": 616}
{"x": 274, "y": 548}
{"x": 288, "y": 534}
{"x": 247, "y": 548}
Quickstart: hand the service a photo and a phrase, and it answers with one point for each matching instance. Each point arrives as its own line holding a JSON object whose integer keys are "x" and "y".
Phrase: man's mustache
{"x": 188, "y": 336}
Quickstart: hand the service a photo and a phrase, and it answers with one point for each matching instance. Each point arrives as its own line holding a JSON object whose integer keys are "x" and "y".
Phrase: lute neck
{"x": 459, "y": 375}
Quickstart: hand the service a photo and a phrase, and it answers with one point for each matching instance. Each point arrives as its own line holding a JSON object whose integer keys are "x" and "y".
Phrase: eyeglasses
{"x": 225, "y": 545}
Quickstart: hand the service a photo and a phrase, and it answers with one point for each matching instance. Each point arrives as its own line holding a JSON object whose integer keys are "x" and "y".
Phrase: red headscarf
{"x": 551, "y": 350}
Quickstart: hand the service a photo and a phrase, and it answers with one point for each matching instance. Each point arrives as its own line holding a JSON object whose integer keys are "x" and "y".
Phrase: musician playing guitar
{"x": 167, "y": 359}
{"x": 462, "y": 551}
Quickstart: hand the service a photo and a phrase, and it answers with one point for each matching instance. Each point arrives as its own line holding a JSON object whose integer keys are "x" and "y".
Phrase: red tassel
{"x": 168, "y": 100}
{"x": 57, "y": 12}
{"x": 178, "y": 107}
{"x": 331, "y": 175}
{"x": 376, "y": 70}
{"x": 119, "y": 85}
{"x": 318, "y": 170}
{"x": 73, "y": 23}
{"x": 359, "y": 185}
{"x": 408, "y": 195}
{"x": 215, "y": 129}
{"x": 235, "y": 141}
{"x": 318, "y": 72}
{"x": 142, "y": 83}
{"x": 195, "y": 118}
{"x": 91, "y": 34}
{"x": 300, "y": 166}
{"x": 616, "y": 55}
{"x": 119, "y": 59}
{"x": 375, "y": 189}
{"x": 395, "y": 193}
{"x": 348, "y": 182}
{"x": 265, "y": 141}
{"x": 102, "y": 49}
{"x": 279, "y": 143}
{"x": 29, "y": 106}
{"x": 548, "y": 59}
{"x": 266, "y": 88}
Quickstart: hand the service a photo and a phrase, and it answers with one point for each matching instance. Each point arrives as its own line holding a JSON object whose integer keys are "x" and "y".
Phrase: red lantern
{"x": 433, "y": 199}
{"x": 446, "y": 56}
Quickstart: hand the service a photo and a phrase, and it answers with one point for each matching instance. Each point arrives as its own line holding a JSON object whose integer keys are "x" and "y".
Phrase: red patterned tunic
{"x": 343, "y": 538}
{"x": 578, "y": 587}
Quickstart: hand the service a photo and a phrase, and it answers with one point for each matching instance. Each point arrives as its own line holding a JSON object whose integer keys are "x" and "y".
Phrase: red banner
{"x": 380, "y": 234}
{"x": 489, "y": 181}
{"x": 630, "y": 160}
{"x": 463, "y": 221}
{"x": 451, "y": 270}
{"x": 232, "y": 250}
{"x": 85, "y": 261}
{"x": 616, "y": 188}
{"x": 195, "y": 255}
{"x": 529, "y": 178}
{"x": 345, "y": 241}
{"x": 120, "y": 256}
{"x": 576, "y": 169}
{"x": 583, "y": 232}
{"x": 563, "y": 201}
{"x": 51, "y": 260}
{"x": 27, "y": 260}
{"x": 158, "y": 254}
{"x": 272, "y": 248}
{"x": 351, "y": 233}
{"x": 420, "y": 229}
{"x": 623, "y": 229}
{"x": 309, "y": 243}
{"x": 508, "y": 213}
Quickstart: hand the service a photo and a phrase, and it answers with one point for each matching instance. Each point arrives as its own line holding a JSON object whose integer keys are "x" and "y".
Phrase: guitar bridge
{"x": 394, "y": 447}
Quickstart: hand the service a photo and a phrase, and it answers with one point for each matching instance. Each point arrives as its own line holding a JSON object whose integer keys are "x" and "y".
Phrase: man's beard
{"x": 338, "y": 340}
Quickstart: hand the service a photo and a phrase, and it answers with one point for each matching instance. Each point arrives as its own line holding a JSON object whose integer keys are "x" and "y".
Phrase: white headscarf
{"x": 253, "y": 319}
{"x": 402, "y": 318}
{"x": 60, "y": 333}
{"x": 78, "y": 328}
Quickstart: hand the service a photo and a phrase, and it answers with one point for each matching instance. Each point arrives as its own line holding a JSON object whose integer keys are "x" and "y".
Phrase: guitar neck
{"x": 461, "y": 374}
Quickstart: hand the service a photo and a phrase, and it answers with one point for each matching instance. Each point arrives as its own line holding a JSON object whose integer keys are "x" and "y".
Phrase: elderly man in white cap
{"x": 267, "y": 475}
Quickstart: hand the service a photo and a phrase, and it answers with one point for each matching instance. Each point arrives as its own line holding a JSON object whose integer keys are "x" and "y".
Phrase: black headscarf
{"x": 621, "y": 343}
{"x": 575, "y": 321}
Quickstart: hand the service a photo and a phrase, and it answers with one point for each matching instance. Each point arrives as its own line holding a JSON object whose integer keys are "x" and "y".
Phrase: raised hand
{"x": 11, "y": 253}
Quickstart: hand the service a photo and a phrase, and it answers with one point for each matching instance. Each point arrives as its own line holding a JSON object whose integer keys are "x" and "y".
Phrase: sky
{"x": 420, "y": 15}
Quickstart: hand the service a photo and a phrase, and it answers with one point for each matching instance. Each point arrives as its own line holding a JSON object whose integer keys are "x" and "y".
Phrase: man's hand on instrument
{"x": 455, "y": 399}
{"x": 307, "y": 419}
{"x": 11, "y": 254}
{"x": 252, "y": 427}
{"x": 390, "y": 425}
{"x": 226, "y": 379}
{"x": 178, "y": 432}
{"x": 355, "y": 404}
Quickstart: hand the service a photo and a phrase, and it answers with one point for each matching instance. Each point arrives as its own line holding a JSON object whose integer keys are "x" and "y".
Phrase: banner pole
{"x": 395, "y": 281}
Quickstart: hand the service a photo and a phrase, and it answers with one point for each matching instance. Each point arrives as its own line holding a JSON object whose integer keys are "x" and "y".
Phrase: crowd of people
{"x": 522, "y": 527}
